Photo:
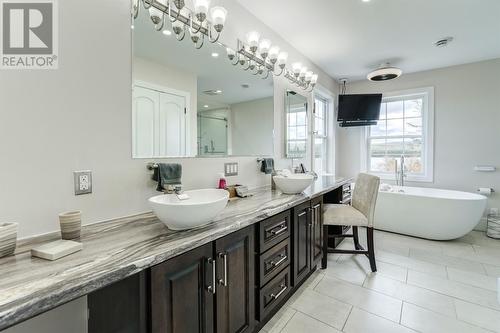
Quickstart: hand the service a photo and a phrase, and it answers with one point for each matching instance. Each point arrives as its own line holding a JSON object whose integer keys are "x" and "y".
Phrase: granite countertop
{"x": 119, "y": 248}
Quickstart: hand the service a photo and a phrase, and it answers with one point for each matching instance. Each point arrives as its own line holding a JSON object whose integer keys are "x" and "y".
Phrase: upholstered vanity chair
{"x": 360, "y": 214}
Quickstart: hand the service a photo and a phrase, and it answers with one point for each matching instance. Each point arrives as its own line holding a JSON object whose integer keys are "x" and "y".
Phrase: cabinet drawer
{"x": 274, "y": 261}
{"x": 274, "y": 293}
{"x": 274, "y": 230}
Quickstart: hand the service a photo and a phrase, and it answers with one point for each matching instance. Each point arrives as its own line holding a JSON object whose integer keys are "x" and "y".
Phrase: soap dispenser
{"x": 222, "y": 182}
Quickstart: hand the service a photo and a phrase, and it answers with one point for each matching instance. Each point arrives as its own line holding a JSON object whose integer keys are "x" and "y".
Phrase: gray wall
{"x": 466, "y": 125}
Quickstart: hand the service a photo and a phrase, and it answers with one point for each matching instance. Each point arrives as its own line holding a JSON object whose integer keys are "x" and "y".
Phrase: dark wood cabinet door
{"x": 235, "y": 305}
{"x": 301, "y": 242}
{"x": 120, "y": 307}
{"x": 317, "y": 231}
{"x": 181, "y": 297}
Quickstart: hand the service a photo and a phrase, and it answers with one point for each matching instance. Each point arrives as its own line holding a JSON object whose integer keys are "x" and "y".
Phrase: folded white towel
{"x": 385, "y": 187}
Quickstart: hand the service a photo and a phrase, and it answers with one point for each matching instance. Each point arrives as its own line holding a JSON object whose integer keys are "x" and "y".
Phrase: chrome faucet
{"x": 401, "y": 174}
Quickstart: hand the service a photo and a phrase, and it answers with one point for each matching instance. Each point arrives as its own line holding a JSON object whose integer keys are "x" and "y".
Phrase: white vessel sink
{"x": 293, "y": 183}
{"x": 200, "y": 209}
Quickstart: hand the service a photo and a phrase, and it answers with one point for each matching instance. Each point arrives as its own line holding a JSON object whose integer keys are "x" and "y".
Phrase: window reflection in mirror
{"x": 296, "y": 125}
{"x": 189, "y": 102}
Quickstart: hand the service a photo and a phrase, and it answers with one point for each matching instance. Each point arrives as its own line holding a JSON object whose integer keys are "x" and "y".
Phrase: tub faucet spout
{"x": 402, "y": 174}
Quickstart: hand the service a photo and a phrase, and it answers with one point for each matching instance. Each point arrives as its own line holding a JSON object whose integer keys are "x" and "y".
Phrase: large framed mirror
{"x": 193, "y": 102}
{"x": 296, "y": 126}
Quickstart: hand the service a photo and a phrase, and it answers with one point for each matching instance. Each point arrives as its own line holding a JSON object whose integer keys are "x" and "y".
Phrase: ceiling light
{"x": 366, "y": 0}
{"x": 384, "y": 73}
{"x": 218, "y": 91}
{"x": 205, "y": 106}
{"x": 443, "y": 42}
{"x": 215, "y": 54}
{"x": 167, "y": 32}
{"x": 132, "y": 27}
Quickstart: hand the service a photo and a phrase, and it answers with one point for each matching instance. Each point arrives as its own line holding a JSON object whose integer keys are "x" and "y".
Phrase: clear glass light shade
{"x": 282, "y": 58}
{"x": 218, "y": 15}
{"x": 264, "y": 46}
{"x": 253, "y": 38}
{"x": 230, "y": 52}
{"x": 274, "y": 52}
{"x": 296, "y": 67}
{"x": 201, "y": 6}
{"x": 156, "y": 14}
{"x": 309, "y": 75}
{"x": 303, "y": 71}
{"x": 314, "y": 78}
{"x": 177, "y": 27}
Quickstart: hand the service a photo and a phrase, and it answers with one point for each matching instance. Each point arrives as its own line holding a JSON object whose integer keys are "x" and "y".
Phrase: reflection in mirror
{"x": 296, "y": 125}
{"x": 189, "y": 102}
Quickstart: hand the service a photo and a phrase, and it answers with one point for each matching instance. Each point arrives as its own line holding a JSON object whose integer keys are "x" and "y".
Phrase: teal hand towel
{"x": 167, "y": 174}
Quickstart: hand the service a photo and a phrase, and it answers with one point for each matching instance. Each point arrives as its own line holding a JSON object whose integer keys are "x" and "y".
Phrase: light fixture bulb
{"x": 167, "y": 32}
{"x": 177, "y": 27}
{"x": 215, "y": 54}
{"x": 274, "y": 52}
{"x": 308, "y": 76}
{"x": 282, "y": 58}
{"x": 230, "y": 53}
{"x": 264, "y": 46}
{"x": 314, "y": 78}
{"x": 218, "y": 15}
{"x": 179, "y": 4}
{"x": 253, "y": 38}
{"x": 201, "y": 9}
{"x": 296, "y": 67}
{"x": 156, "y": 14}
{"x": 303, "y": 72}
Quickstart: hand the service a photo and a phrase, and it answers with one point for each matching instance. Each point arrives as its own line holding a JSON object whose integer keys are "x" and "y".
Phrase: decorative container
{"x": 493, "y": 226}
{"x": 71, "y": 224}
{"x": 8, "y": 238}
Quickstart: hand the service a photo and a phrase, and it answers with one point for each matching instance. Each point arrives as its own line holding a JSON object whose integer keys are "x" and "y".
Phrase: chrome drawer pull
{"x": 282, "y": 229}
{"x": 223, "y": 282}
{"x": 212, "y": 287}
{"x": 283, "y": 288}
{"x": 279, "y": 262}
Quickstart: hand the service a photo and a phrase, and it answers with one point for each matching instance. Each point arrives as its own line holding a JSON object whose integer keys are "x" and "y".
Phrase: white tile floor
{"x": 421, "y": 286}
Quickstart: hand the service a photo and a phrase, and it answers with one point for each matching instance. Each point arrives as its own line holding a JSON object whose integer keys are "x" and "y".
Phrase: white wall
{"x": 252, "y": 127}
{"x": 466, "y": 127}
{"x": 173, "y": 78}
{"x": 79, "y": 117}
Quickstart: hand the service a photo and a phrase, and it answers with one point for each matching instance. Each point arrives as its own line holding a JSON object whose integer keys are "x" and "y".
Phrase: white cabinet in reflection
{"x": 158, "y": 123}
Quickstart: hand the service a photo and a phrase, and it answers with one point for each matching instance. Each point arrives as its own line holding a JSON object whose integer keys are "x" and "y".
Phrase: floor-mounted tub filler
{"x": 427, "y": 212}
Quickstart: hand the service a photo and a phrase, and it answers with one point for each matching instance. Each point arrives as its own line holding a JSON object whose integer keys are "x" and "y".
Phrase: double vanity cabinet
{"x": 233, "y": 284}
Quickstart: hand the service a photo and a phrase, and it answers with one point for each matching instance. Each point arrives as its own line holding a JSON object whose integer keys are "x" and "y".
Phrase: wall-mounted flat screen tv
{"x": 359, "y": 108}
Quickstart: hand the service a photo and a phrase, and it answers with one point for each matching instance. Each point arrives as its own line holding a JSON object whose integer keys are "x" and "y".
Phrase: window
{"x": 296, "y": 140}
{"x": 405, "y": 127}
{"x": 323, "y": 133}
{"x": 320, "y": 135}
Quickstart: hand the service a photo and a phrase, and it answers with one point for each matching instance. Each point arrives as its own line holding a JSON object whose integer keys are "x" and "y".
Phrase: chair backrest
{"x": 365, "y": 194}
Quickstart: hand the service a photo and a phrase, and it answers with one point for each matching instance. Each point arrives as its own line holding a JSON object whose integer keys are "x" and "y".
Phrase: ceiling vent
{"x": 384, "y": 73}
{"x": 212, "y": 92}
{"x": 443, "y": 42}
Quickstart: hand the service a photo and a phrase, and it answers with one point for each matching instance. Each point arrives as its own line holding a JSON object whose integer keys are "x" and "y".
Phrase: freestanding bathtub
{"x": 428, "y": 212}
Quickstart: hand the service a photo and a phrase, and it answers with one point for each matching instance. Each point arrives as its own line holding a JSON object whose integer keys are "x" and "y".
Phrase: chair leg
{"x": 355, "y": 237}
{"x": 324, "y": 260}
{"x": 371, "y": 249}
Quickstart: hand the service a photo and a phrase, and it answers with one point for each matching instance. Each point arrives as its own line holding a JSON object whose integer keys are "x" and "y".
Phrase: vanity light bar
{"x": 195, "y": 22}
{"x": 261, "y": 57}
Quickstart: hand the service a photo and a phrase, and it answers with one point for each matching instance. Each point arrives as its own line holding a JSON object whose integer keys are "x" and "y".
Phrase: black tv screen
{"x": 359, "y": 107}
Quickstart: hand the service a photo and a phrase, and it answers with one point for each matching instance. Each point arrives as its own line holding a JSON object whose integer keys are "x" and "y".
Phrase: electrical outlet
{"x": 231, "y": 169}
{"x": 83, "y": 182}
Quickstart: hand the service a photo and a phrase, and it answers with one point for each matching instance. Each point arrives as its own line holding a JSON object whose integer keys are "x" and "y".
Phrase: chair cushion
{"x": 343, "y": 215}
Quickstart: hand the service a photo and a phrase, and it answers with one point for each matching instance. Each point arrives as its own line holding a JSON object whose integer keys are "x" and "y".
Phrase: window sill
{"x": 408, "y": 179}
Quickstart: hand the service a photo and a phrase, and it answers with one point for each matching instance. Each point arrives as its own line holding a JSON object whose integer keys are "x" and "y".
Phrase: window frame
{"x": 427, "y": 136}
{"x": 328, "y": 123}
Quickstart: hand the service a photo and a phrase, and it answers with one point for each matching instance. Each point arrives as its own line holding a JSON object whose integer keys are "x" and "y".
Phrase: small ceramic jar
{"x": 8, "y": 238}
{"x": 71, "y": 224}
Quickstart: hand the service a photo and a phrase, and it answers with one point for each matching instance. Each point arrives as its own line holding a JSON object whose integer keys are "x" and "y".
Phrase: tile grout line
{"x": 307, "y": 315}
{"x": 286, "y": 323}
{"x": 345, "y": 323}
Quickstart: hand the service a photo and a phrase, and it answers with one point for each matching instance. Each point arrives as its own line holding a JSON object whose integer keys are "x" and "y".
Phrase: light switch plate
{"x": 83, "y": 182}
{"x": 231, "y": 169}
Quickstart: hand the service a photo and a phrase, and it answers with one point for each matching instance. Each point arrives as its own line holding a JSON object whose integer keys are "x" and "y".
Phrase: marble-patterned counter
{"x": 119, "y": 248}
